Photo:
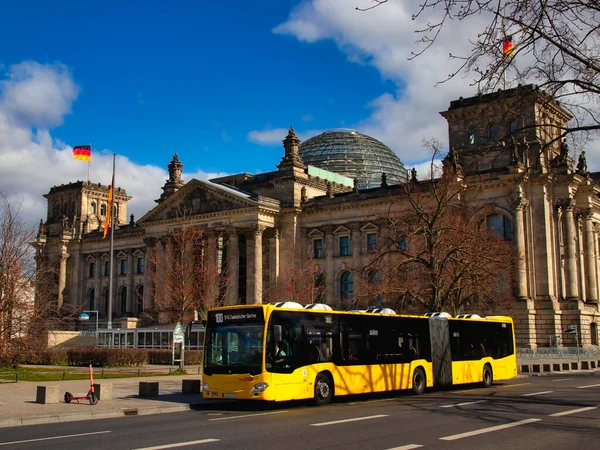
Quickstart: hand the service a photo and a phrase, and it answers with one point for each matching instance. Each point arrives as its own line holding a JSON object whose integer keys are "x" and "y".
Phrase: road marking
{"x": 588, "y": 386}
{"x": 562, "y": 379}
{"x": 180, "y": 444}
{"x": 572, "y": 411}
{"x": 247, "y": 415}
{"x": 536, "y": 393}
{"x": 406, "y": 447}
{"x": 462, "y": 404}
{"x": 488, "y": 430}
{"x": 355, "y": 419}
{"x": 513, "y": 385}
{"x": 55, "y": 437}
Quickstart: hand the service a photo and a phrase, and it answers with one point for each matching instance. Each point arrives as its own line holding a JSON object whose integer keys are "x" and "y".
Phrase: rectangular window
{"x": 318, "y": 248}
{"x": 92, "y": 270}
{"x": 140, "y": 265}
{"x": 123, "y": 267}
{"x": 106, "y": 268}
{"x": 371, "y": 243}
{"x": 344, "y": 245}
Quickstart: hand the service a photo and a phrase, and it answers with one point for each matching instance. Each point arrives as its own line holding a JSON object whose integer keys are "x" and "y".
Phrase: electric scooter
{"x": 91, "y": 395}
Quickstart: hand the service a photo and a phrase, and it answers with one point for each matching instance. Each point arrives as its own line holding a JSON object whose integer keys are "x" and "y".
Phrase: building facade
{"x": 326, "y": 196}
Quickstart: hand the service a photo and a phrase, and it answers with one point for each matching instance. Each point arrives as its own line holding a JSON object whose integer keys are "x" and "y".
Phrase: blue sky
{"x": 217, "y": 82}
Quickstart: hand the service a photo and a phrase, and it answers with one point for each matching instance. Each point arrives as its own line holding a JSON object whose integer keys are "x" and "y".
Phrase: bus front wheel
{"x": 323, "y": 390}
{"x": 418, "y": 381}
{"x": 488, "y": 376}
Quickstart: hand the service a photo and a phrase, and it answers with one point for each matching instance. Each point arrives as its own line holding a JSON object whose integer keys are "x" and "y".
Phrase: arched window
{"x": 93, "y": 207}
{"x": 123, "y": 300}
{"x": 103, "y": 210}
{"x": 594, "y": 333}
{"x": 92, "y": 299}
{"x": 346, "y": 285}
{"x": 472, "y": 136}
{"x": 512, "y": 127}
{"x": 103, "y": 307}
{"x": 493, "y": 132}
{"x": 501, "y": 224}
{"x": 139, "y": 300}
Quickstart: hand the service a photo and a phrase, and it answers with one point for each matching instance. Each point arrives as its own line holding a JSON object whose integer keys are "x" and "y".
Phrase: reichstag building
{"x": 322, "y": 196}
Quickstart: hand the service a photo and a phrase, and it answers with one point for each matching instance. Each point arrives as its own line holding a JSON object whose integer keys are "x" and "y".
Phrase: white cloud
{"x": 267, "y": 137}
{"x": 385, "y": 38}
{"x": 33, "y": 99}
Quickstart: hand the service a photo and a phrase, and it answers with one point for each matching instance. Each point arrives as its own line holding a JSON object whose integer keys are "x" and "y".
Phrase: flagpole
{"x": 90, "y": 163}
{"x": 112, "y": 236}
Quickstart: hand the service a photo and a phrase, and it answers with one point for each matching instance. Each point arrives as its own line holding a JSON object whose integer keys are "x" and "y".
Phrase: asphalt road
{"x": 550, "y": 412}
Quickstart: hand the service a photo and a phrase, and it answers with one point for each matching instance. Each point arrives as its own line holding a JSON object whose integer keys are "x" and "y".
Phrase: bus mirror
{"x": 277, "y": 333}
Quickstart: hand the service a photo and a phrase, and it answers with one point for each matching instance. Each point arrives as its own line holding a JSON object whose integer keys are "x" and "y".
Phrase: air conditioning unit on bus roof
{"x": 468, "y": 316}
{"x": 318, "y": 307}
{"x": 437, "y": 315}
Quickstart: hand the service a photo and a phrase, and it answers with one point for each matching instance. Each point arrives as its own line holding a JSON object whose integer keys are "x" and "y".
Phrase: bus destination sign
{"x": 237, "y": 316}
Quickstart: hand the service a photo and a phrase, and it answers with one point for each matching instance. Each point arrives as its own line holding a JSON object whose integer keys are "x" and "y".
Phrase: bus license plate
{"x": 229, "y": 395}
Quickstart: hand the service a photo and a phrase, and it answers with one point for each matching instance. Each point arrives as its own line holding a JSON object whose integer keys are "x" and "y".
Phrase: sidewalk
{"x": 18, "y": 405}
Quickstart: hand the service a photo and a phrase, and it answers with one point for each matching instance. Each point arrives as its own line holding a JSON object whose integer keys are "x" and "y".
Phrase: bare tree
{"x": 300, "y": 280}
{"x": 188, "y": 278}
{"x": 436, "y": 254}
{"x": 555, "y": 44}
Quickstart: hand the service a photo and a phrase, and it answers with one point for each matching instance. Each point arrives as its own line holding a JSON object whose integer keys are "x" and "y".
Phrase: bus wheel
{"x": 488, "y": 376}
{"x": 323, "y": 390}
{"x": 418, "y": 381}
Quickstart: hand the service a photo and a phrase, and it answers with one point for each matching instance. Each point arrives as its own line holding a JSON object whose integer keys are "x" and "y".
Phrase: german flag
{"x": 507, "y": 47}
{"x": 109, "y": 209}
{"x": 83, "y": 152}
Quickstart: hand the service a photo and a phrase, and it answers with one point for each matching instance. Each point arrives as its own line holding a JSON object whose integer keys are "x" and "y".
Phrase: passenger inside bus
{"x": 278, "y": 354}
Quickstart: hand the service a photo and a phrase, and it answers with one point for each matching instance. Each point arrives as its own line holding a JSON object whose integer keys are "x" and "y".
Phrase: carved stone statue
{"x": 564, "y": 152}
{"x": 329, "y": 189}
{"x": 303, "y": 196}
{"x": 413, "y": 174}
{"x": 41, "y": 229}
{"x": 356, "y": 187}
{"x": 384, "y": 180}
{"x": 64, "y": 222}
{"x": 582, "y": 164}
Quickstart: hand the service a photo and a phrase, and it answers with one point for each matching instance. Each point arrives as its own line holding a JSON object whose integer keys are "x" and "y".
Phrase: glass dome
{"x": 354, "y": 155}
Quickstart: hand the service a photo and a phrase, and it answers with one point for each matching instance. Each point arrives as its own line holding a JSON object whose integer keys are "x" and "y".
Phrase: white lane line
{"x": 246, "y": 415}
{"x": 180, "y": 444}
{"x": 562, "y": 379}
{"x": 573, "y": 411}
{"x": 66, "y": 436}
{"x": 588, "y": 386}
{"x": 512, "y": 385}
{"x": 406, "y": 447}
{"x": 488, "y": 430}
{"x": 536, "y": 393}
{"x": 355, "y": 419}
{"x": 462, "y": 404}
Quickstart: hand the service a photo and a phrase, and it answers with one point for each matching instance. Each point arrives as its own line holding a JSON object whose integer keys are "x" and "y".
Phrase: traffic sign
{"x": 178, "y": 334}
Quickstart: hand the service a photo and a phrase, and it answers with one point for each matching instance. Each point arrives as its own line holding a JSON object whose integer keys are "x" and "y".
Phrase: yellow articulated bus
{"x": 279, "y": 352}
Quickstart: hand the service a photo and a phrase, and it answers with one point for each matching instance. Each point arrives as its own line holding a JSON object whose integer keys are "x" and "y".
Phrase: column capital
{"x": 150, "y": 241}
{"x": 566, "y": 204}
{"x": 585, "y": 213}
{"x": 258, "y": 229}
{"x": 519, "y": 202}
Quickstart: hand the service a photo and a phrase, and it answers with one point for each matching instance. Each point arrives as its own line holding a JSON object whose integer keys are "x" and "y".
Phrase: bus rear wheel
{"x": 323, "y": 390}
{"x": 418, "y": 381}
{"x": 488, "y": 376}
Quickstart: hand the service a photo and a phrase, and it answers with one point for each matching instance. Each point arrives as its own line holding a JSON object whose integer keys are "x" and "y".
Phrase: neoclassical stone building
{"x": 326, "y": 195}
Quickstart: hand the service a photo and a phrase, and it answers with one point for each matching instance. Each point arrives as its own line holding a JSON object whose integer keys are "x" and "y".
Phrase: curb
{"x": 106, "y": 414}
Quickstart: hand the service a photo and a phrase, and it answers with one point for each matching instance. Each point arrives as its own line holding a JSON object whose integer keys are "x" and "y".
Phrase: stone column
{"x": 590, "y": 257}
{"x": 212, "y": 271}
{"x": 149, "y": 271}
{"x": 331, "y": 292}
{"x": 255, "y": 278}
{"x": 233, "y": 261}
{"x": 130, "y": 293}
{"x": 522, "y": 291}
{"x": 97, "y": 283}
{"x": 274, "y": 259}
{"x": 62, "y": 275}
{"x": 356, "y": 258}
{"x": 572, "y": 291}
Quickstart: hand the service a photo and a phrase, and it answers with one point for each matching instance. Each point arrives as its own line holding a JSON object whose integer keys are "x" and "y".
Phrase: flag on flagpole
{"x": 83, "y": 152}
{"x": 109, "y": 209}
{"x": 507, "y": 47}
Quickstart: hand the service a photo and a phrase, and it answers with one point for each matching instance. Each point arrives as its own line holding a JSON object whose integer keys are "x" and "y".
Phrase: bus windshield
{"x": 234, "y": 348}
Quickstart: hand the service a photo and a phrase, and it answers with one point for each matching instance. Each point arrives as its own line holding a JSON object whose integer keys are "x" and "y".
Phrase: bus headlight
{"x": 205, "y": 387}
{"x": 259, "y": 387}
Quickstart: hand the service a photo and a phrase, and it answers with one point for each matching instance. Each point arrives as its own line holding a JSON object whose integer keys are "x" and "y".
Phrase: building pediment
{"x": 197, "y": 198}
